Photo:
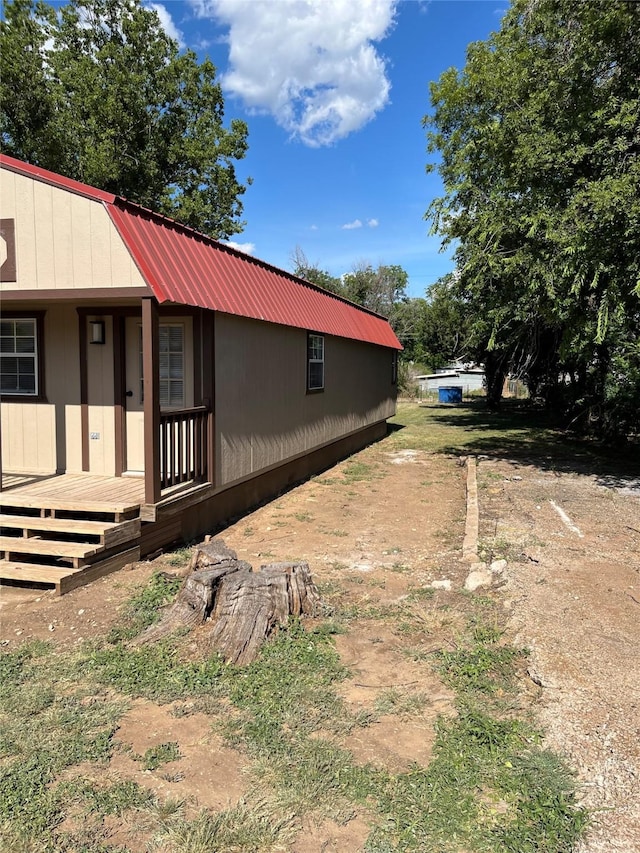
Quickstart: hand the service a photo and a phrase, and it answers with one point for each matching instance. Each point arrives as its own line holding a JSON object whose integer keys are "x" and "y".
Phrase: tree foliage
{"x": 96, "y": 90}
{"x": 433, "y": 329}
{"x": 303, "y": 268}
{"x": 444, "y": 334}
{"x": 380, "y": 289}
{"x": 539, "y": 139}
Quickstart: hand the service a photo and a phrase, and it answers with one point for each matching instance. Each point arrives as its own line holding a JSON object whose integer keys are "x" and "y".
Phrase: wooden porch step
{"x": 50, "y": 505}
{"x": 33, "y": 573}
{"x": 110, "y": 533}
{"x": 48, "y": 547}
{"x": 66, "y": 579}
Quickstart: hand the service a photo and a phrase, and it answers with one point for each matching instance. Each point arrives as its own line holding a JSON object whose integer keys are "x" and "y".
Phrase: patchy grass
{"x": 180, "y": 557}
{"x": 157, "y": 672}
{"x": 246, "y": 828}
{"x": 518, "y": 431}
{"x": 50, "y": 723}
{"x": 144, "y": 607}
{"x": 401, "y": 702}
{"x": 161, "y": 754}
{"x": 485, "y": 667}
{"x": 472, "y": 428}
{"x": 303, "y": 516}
{"x": 357, "y": 471}
{"x": 490, "y": 787}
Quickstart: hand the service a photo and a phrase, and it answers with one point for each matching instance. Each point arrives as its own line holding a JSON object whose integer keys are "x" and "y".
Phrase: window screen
{"x": 171, "y": 355}
{"x": 19, "y": 356}
{"x": 315, "y": 362}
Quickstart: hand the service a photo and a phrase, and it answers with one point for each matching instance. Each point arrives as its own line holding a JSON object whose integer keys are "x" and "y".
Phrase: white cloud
{"x": 351, "y": 225}
{"x": 312, "y": 64}
{"x": 372, "y": 223}
{"x": 313, "y": 228}
{"x": 166, "y": 21}
{"x": 247, "y": 248}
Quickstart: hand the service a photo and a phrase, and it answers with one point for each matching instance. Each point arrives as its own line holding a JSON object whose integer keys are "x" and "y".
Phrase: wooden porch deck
{"x": 67, "y": 530}
{"x": 117, "y": 496}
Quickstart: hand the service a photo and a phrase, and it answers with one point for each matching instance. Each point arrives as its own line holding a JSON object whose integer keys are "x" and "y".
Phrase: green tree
{"x": 409, "y": 325}
{"x": 445, "y": 324}
{"x": 539, "y": 138}
{"x": 99, "y": 92}
{"x": 380, "y": 289}
{"x": 303, "y": 268}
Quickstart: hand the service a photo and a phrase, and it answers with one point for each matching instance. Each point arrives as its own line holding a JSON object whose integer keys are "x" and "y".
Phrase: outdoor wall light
{"x": 96, "y": 328}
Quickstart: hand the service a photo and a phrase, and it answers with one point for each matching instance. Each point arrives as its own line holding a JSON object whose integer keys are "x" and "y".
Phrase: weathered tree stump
{"x": 211, "y": 552}
{"x": 244, "y": 606}
{"x": 250, "y": 605}
{"x": 193, "y": 604}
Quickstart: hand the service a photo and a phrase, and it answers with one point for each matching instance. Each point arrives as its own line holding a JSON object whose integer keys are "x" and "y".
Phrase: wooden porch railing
{"x": 184, "y": 446}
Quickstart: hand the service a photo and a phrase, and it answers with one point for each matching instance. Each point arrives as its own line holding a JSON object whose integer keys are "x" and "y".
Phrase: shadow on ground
{"x": 527, "y": 436}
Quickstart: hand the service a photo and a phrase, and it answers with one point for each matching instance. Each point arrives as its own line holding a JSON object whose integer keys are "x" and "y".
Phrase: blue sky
{"x": 334, "y": 92}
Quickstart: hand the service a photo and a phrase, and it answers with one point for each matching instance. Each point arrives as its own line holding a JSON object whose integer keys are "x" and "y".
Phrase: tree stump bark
{"x": 211, "y": 552}
{"x": 304, "y": 598}
{"x": 244, "y": 606}
{"x": 246, "y": 611}
{"x": 193, "y": 604}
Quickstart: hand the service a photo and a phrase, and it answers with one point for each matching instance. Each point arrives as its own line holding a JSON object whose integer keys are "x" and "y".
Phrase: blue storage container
{"x": 451, "y": 394}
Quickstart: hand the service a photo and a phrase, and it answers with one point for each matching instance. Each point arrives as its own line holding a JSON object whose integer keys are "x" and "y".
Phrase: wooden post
{"x": 209, "y": 388}
{"x": 84, "y": 390}
{"x": 119, "y": 388}
{"x": 151, "y": 387}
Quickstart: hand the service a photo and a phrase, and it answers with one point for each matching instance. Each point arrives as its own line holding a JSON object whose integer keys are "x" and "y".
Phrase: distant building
{"x": 468, "y": 377}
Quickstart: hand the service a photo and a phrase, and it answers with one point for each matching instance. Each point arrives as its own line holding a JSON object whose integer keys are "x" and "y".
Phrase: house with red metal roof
{"x": 156, "y": 382}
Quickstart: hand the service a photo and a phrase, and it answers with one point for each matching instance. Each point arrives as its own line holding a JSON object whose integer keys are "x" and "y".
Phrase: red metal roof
{"x": 187, "y": 268}
{"x": 54, "y": 179}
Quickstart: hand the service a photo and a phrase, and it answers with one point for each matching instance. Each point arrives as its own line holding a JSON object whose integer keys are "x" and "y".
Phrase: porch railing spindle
{"x": 183, "y": 446}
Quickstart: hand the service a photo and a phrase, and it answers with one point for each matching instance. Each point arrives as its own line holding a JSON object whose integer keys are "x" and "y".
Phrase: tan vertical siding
{"x": 63, "y": 241}
{"x": 28, "y": 438}
{"x": 264, "y": 415}
{"x": 21, "y": 194}
{"x": 100, "y": 403}
{"x": 45, "y": 253}
{"x": 44, "y": 437}
{"x": 101, "y": 247}
{"x": 81, "y": 243}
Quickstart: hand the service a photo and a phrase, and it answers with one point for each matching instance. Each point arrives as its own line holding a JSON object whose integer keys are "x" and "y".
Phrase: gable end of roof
{"x": 55, "y": 180}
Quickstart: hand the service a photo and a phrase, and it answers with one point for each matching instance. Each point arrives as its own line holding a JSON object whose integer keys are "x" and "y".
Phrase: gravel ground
{"x": 572, "y": 541}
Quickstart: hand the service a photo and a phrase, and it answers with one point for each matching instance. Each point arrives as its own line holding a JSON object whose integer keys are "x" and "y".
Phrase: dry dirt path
{"x": 573, "y": 587}
{"x": 373, "y": 528}
{"x": 391, "y": 520}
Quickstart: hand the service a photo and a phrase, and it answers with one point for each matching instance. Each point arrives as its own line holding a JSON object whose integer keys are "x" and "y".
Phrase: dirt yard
{"x": 377, "y": 527}
{"x": 574, "y": 594}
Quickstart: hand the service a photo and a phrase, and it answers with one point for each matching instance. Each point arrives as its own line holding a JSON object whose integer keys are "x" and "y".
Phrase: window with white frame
{"x": 19, "y": 356}
{"x": 172, "y": 366}
{"x": 315, "y": 362}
